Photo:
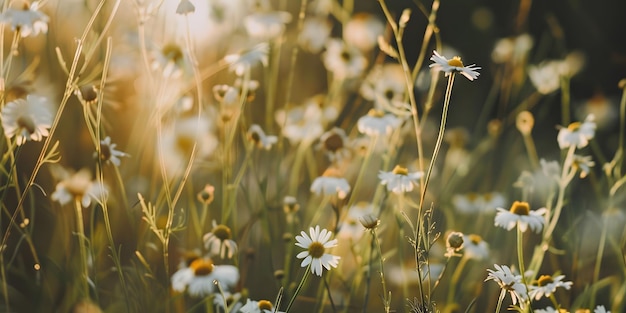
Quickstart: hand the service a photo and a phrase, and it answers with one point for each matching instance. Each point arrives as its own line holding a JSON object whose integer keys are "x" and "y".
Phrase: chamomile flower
{"x": 512, "y": 49}
{"x": 545, "y": 77}
{"x": 305, "y": 123}
{"x": 242, "y": 62}
{"x": 475, "y": 248}
{"x": 508, "y": 282}
{"x": 26, "y": 119}
{"x": 363, "y": 30}
{"x": 343, "y": 60}
{"x": 198, "y": 279}
{"x": 331, "y": 183}
{"x": 577, "y": 134}
{"x": 219, "y": 241}
{"x": 28, "y": 20}
{"x": 78, "y": 186}
{"x": 334, "y": 142}
{"x": 521, "y": 215}
{"x": 377, "y": 123}
{"x": 315, "y": 32}
{"x": 386, "y": 87}
{"x": 546, "y": 286}
{"x": 600, "y": 309}
{"x": 257, "y": 136}
{"x": 454, "y": 65}
{"x": 169, "y": 60}
{"x": 399, "y": 180}
{"x": 261, "y": 306}
{"x": 582, "y": 163}
{"x": 108, "y": 153}
{"x": 316, "y": 243}
{"x": 266, "y": 24}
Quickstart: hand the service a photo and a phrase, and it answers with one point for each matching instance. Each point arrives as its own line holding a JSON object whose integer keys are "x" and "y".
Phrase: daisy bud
{"x": 369, "y": 221}
{"x": 525, "y": 122}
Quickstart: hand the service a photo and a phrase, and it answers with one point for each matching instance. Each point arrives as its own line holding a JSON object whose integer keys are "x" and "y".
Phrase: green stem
{"x": 307, "y": 272}
{"x": 386, "y": 295}
{"x": 81, "y": 245}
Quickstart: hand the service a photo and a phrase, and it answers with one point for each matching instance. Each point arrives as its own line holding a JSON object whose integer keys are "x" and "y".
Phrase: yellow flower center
{"x": 172, "y": 52}
{"x": 202, "y": 267}
{"x": 255, "y": 137}
{"x": 89, "y": 93}
{"x": 456, "y": 62}
{"x": 520, "y": 208}
{"x": 333, "y": 143}
{"x": 316, "y": 250}
{"x": 399, "y": 170}
{"x": 105, "y": 152}
{"x": 574, "y": 126}
{"x": 265, "y": 305}
{"x": 222, "y": 232}
{"x": 472, "y": 196}
{"x": 376, "y": 113}
{"x": 475, "y": 239}
{"x": 544, "y": 280}
{"x": 26, "y": 123}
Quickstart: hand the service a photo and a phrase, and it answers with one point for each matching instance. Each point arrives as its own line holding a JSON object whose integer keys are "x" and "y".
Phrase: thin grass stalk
{"x": 66, "y": 95}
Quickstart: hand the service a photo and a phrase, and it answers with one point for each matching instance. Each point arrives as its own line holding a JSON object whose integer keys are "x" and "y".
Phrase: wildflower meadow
{"x": 226, "y": 156}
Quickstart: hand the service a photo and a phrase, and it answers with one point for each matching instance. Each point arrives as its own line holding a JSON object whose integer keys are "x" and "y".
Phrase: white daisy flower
{"x": 260, "y": 139}
{"x": 169, "y": 61}
{"x": 377, "y": 123}
{"x": 198, "y": 279}
{"x": 305, "y": 122}
{"x": 29, "y": 21}
{"x": 177, "y": 141}
{"x": 261, "y": 306}
{"x": 514, "y": 49}
{"x": 386, "y": 87}
{"x": 78, "y": 186}
{"x": 475, "y": 248}
{"x": 546, "y": 286}
{"x": 509, "y": 282}
{"x": 241, "y": 62}
{"x": 315, "y": 32}
{"x": 399, "y": 180}
{"x": 316, "y": 245}
{"x": 219, "y": 241}
{"x": 454, "y": 65}
{"x": 545, "y": 77}
{"x": 266, "y": 24}
{"x": 520, "y": 214}
{"x": 343, "y": 60}
{"x": 582, "y": 163}
{"x": 334, "y": 142}
{"x": 577, "y": 134}
{"x": 331, "y": 183}
{"x": 363, "y": 30}
{"x": 26, "y": 119}
{"x": 108, "y": 153}
{"x": 600, "y": 309}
